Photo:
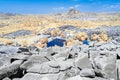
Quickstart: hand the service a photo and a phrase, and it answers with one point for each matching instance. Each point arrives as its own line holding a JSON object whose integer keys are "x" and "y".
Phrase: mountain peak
{"x": 73, "y": 11}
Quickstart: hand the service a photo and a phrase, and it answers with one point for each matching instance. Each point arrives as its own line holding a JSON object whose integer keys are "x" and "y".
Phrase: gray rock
{"x": 16, "y": 79}
{"x": 51, "y": 67}
{"x": 4, "y": 60}
{"x": 79, "y": 78}
{"x": 51, "y": 77}
{"x": 64, "y": 53}
{"x": 84, "y": 48}
{"x": 108, "y": 46}
{"x": 107, "y": 65}
{"x": 75, "y": 78}
{"x": 108, "y": 53}
{"x": 18, "y": 33}
{"x": 91, "y": 44}
{"x": 87, "y": 73}
{"x": 34, "y": 59}
{"x": 44, "y": 68}
{"x": 100, "y": 73}
{"x": 82, "y": 61}
{"x": 93, "y": 54}
{"x": 50, "y": 53}
{"x": 1, "y": 63}
{"x": 75, "y": 50}
{"x": 53, "y": 64}
{"x": 99, "y": 78}
{"x": 19, "y": 57}
{"x": 31, "y": 76}
{"x": 64, "y": 65}
{"x": 117, "y": 40}
{"x": 118, "y": 51}
{"x": 6, "y": 78}
{"x": 72, "y": 72}
{"x": 98, "y": 44}
{"x": 9, "y": 49}
{"x": 38, "y": 58}
{"x": 118, "y": 66}
{"x": 6, "y": 71}
{"x": 34, "y": 76}
{"x": 27, "y": 64}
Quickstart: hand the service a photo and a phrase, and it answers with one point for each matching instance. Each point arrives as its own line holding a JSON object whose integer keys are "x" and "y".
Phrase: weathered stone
{"x": 72, "y": 72}
{"x": 64, "y": 65}
{"x": 91, "y": 43}
{"x": 98, "y": 44}
{"x": 99, "y": 78}
{"x": 50, "y": 77}
{"x": 74, "y": 51}
{"x": 8, "y": 49}
{"x": 82, "y": 61}
{"x": 34, "y": 76}
{"x": 6, "y": 78}
{"x": 27, "y": 53}
{"x": 16, "y": 79}
{"x": 23, "y": 49}
{"x": 27, "y": 64}
{"x": 62, "y": 54}
{"x": 75, "y": 78}
{"x": 6, "y": 71}
{"x": 84, "y": 48}
{"x": 87, "y": 73}
{"x": 79, "y": 78}
{"x": 4, "y": 60}
{"x": 34, "y": 59}
{"x": 1, "y": 63}
{"x": 31, "y": 76}
{"x": 100, "y": 73}
{"x": 49, "y": 53}
{"x": 44, "y": 68}
{"x": 107, "y": 65}
{"x": 118, "y": 52}
{"x": 108, "y": 46}
{"x": 38, "y": 58}
{"x": 19, "y": 57}
{"x": 118, "y": 66}
{"x": 53, "y": 64}
{"x": 108, "y": 53}
{"x": 93, "y": 54}
{"x": 45, "y": 78}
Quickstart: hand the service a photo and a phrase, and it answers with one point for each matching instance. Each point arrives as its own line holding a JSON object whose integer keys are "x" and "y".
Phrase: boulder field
{"x": 96, "y": 61}
{"x": 60, "y": 54}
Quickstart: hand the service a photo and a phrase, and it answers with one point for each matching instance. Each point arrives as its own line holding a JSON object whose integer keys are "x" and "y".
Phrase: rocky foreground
{"x": 96, "y": 61}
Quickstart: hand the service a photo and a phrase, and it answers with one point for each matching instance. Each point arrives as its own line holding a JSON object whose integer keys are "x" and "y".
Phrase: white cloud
{"x": 59, "y": 8}
{"x": 75, "y": 6}
{"x": 113, "y": 6}
{"x": 62, "y": 9}
{"x": 71, "y": 7}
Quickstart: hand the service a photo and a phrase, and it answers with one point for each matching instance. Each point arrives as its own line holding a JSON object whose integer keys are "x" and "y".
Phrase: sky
{"x": 55, "y": 6}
